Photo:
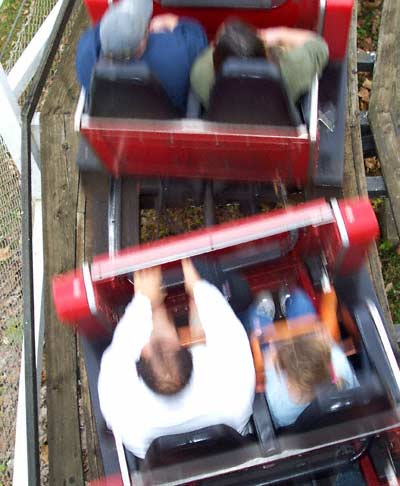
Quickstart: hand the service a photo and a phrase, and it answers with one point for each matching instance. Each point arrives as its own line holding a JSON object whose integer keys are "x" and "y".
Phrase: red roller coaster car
{"x": 297, "y": 246}
{"x": 296, "y": 145}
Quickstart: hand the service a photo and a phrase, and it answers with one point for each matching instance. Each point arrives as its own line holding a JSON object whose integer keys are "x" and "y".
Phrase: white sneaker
{"x": 265, "y": 305}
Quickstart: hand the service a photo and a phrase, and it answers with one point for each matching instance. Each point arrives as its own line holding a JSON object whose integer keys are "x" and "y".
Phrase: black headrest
{"x": 332, "y": 405}
{"x": 173, "y": 449}
{"x": 251, "y": 91}
{"x": 128, "y": 90}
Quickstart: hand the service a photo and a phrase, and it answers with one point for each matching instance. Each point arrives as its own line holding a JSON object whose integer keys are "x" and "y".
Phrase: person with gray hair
{"x": 127, "y": 33}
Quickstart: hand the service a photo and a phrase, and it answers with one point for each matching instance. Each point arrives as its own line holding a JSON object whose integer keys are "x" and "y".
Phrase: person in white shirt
{"x": 149, "y": 386}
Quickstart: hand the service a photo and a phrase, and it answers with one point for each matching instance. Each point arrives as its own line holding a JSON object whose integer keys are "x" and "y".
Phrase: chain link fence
{"x": 29, "y": 18}
{"x": 10, "y": 240}
{"x": 34, "y": 13}
{"x": 10, "y": 306}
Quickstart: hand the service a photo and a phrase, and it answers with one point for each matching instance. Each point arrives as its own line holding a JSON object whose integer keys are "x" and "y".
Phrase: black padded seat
{"x": 252, "y": 91}
{"x": 128, "y": 90}
{"x": 263, "y": 425}
{"x": 331, "y": 126}
{"x": 178, "y": 448}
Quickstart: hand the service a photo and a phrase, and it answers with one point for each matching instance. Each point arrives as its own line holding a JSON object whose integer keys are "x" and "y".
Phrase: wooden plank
{"x": 388, "y": 147}
{"x": 388, "y": 225}
{"x": 96, "y": 187}
{"x": 383, "y": 112}
{"x": 64, "y": 91}
{"x": 64, "y": 229}
{"x": 90, "y": 440}
{"x": 355, "y": 183}
{"x": 90, "y": 448}
{"x": 386, "y": 65}
{"x": 60, "y": 192}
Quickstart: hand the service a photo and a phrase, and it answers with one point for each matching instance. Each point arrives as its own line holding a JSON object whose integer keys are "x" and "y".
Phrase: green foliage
{"x": 368, "y": 26}
{"x": 8, "y": 13}
{"x": 377, "y": 203}
{"x": 13, "y": 332}
{"x": 385, "y": 246}
{"x": 391, "y": 273}
{"x": 3, "y": 473}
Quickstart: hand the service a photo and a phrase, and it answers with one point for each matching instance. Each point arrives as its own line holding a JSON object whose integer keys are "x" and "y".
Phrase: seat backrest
{"x": 176, "y": 448}
{"x": 128, "y": 90}
{"x": 252, "y": 91}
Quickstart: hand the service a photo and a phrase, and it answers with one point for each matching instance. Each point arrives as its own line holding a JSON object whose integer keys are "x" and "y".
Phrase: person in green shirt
{"x": 300, "y": 54}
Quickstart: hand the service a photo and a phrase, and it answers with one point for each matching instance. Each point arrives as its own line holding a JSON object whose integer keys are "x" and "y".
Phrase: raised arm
{"x": 134, "y": 329}
{"x": 303, "y": 56}
{"x": 216, "y": 316}
{"x": 285, "y": 36}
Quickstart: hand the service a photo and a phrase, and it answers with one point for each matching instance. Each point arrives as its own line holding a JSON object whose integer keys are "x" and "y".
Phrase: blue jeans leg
{"x": 299, "y": 304}
{"x": 250, "y": 319}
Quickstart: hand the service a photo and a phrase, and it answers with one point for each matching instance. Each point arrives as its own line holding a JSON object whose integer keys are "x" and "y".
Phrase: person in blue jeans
{"x": 294, "y": 369}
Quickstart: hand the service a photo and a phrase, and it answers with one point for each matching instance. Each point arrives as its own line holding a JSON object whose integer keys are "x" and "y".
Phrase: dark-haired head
{"x": 165, "y": 367}
{"x": 237, "y": 39}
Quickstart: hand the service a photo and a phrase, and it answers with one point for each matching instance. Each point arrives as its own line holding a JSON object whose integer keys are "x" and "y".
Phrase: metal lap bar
{"x": 313, "y": 126}
{"x": 123, "y": 465}
{"x": 228, "y": 264}
{"x": 114, "y": 216}
{"x": 340, "y": 223}
{"x": 89, "y": 289}
{"x": 191, "y": 127}
{"x": 321, "y": 16}
{"x": 260, "y": 256}
{"x": 314, "y": 100}
{"x": 79, "y": 110}
{"x": 209, "y": 206}
{"x": 192, "y": 149}
{"x": 91, "y": 299}
{"x": 219, "y": 238}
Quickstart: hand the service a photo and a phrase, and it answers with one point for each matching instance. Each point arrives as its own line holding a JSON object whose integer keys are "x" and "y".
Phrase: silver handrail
{"x": 313, "y": 128}
{"x": 380, "y": 327}
{"x": 123, "y": 465}
{"x": 321, "y": 16}
{"x": 122, "y": 266}
{"x": 87, "y": 281}
{"x": 79, "y": 110}
{"x": 114, "y": 216}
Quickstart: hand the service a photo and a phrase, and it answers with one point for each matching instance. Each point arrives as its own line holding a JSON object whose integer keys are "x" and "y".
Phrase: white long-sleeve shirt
{"x": 220, "y": 391}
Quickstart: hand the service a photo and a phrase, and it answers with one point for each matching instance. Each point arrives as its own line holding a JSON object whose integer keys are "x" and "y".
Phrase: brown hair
{"x": 168, "y": 370}
{"x": 237, "y": 39}
{"x": 307, "y": 362}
